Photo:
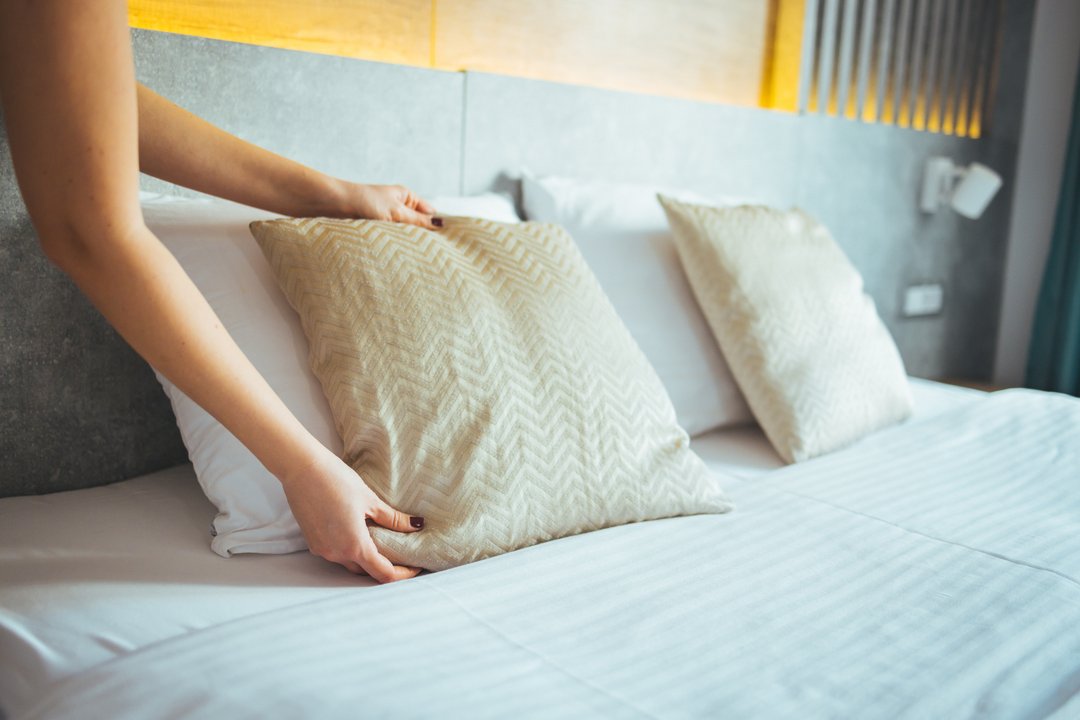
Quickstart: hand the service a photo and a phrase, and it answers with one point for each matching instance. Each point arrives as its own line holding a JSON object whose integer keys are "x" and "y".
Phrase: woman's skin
{"x": 80, "y": 128}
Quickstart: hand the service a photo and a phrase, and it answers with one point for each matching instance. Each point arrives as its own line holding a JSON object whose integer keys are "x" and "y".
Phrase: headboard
{"x": 79, "y": 408}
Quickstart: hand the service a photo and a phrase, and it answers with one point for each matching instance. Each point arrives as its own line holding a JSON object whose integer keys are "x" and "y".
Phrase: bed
{"x": 931, "y": 570}
{"x": 946, "y": 587}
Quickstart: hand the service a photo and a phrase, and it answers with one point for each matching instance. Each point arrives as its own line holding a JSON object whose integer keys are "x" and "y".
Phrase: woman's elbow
{"x": 64, "y": 247}
{"x": 72, "y": 246}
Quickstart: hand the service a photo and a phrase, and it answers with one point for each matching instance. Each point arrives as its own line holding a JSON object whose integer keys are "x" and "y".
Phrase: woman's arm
{"x": 180, "y": 147}
{"x": 69, "y": 94}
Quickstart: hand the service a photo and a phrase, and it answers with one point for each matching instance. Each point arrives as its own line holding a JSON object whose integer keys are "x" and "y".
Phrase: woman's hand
{"x": 394, "y": 203}
{"x": 333, "y": 505}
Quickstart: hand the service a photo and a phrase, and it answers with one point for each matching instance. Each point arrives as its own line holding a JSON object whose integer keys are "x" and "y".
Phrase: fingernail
{"x": 437, "y": 222}
{"x": 417, "y": 522}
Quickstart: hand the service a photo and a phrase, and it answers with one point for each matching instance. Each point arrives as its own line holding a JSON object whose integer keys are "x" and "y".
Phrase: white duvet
{"x": 932, "y": 571}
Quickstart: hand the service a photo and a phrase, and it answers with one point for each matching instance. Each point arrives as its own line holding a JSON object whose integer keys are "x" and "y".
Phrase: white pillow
{"x": 211, "y": 240}
{"x": 489, "y": 206}
{"x": 624, "y": 235}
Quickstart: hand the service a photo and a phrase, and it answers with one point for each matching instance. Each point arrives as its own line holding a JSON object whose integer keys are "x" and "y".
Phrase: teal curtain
{"x": 1054, "y": 359}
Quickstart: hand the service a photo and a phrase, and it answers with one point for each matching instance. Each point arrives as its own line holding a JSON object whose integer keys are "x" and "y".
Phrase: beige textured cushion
{"x": 479, "y": 377}
{"x": 816, "y": 364}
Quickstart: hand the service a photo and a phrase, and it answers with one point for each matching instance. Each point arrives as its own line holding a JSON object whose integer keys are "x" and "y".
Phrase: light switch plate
{"x": 922, "y": 300}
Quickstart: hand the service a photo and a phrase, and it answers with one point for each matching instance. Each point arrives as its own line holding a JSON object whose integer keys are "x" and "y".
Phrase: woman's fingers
{"x": 372, "y": 561}
{"x": 421, "y": 211}
{"x": 333, "y": 505}
{"x": 415, "y": 202}
{"x": 379, "y": 567}
{"x": 421, "y": 205}
{"x": 392, "y": 519}
{"x": 352, "y": 567}
{"x": 406, "y": 214}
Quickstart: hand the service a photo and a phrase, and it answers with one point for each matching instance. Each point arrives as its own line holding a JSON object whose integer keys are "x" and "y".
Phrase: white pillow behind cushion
{"x": 489, "y": 206}
{"x": 211, "y": 240}
{"x": 623, "y": 234}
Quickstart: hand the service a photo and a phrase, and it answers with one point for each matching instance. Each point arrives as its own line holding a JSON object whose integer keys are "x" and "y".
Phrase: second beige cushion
{"x": 804, "y": 341}
{"x": 479, "y": 377}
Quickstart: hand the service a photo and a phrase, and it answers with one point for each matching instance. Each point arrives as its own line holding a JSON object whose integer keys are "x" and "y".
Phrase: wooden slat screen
{"x": 923, "y": 64}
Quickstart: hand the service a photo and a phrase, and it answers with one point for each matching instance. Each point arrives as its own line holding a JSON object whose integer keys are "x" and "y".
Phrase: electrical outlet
{"x": 923, "y": 300}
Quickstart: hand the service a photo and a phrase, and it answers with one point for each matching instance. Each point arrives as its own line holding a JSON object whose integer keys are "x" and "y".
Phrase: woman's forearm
{"x": 182, "y": 148}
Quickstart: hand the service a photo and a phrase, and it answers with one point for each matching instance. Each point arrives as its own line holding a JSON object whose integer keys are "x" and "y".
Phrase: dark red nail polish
{"x": 417, "y": 522}
{"x": 437, "y": 222}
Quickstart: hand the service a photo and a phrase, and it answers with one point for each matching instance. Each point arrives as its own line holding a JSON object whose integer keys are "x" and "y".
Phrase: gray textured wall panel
{"x": 598, "y": 134}
{"x": 363, "y": 121}
{"x": 78, "y": 407}
{"x": 861, "y": 180}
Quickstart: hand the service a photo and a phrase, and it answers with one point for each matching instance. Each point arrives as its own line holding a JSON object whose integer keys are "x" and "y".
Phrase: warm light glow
{"x": 738, "y": 52}
{"x": 869, "y": 110}
{"x": 710, "y": 50}
{"x": 780, "y": 86}
{"x": 397, "y": 32}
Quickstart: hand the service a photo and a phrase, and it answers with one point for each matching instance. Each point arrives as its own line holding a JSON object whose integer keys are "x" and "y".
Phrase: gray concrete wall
{"x": 861, "y": 180}
{"x": 78, "y": 408}
{"x": 363, "y": 121}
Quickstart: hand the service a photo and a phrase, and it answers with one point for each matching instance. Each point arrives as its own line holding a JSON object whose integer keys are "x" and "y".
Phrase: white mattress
{"x": 94, "y": 575}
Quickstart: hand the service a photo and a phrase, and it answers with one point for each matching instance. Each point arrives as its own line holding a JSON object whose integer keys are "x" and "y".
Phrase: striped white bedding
{"x": 932, "y": 571}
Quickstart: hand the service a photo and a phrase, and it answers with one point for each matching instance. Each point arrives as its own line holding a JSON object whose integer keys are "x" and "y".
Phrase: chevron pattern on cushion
{"x": 804, "y": 341}
{"x": 479, "y": 377}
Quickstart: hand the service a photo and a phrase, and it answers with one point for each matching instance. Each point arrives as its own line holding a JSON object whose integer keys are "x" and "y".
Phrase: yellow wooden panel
{"x": 397, "y": 32}
{"x": 783, "y": 55}
{"x": 700, "y": 49}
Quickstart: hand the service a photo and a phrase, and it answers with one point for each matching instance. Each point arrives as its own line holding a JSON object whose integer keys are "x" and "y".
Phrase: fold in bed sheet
{"x": 95, "y": 574}
{"x": 880, "y": 582}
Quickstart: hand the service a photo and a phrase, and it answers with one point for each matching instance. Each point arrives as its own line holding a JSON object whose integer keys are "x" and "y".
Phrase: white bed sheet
{"x": 931, "y": 572}
{"x": 93, "y": 575}
{"x": 745, "y": 451}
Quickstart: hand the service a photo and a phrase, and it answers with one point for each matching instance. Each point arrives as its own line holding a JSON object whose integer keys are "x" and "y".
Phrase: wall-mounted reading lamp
{"x": 969, "y": 190}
